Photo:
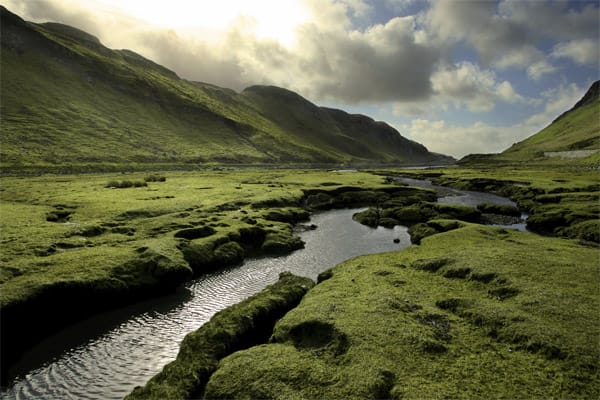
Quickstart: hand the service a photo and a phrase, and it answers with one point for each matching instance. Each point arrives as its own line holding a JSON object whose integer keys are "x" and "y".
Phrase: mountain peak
{"x": 592, "y": 94}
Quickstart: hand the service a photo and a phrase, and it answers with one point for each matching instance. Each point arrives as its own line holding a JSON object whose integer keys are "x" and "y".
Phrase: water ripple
{"x": 117, "y": 356}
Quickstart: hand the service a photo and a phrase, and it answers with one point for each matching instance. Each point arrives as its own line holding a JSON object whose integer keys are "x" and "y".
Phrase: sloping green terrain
{"x": 69, "y": 101}
{"x": 572, "y": 138}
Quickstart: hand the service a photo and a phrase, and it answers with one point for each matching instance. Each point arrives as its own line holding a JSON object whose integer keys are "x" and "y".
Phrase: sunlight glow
{"x": 267, "y": 19}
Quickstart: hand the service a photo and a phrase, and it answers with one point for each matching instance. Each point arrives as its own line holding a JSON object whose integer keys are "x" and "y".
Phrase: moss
{"x": 489, "y": 208}
{"x": 240, "y": 326}
{"x": 290, "y": 215}
{"x": 319, "y": 201}
{"x": 281, "y": 242}
{"x": 556, "y": 197}
{"x": 125, "y": 184}
{"x": 195, "y": 233}
{"x": 352, "y": 197}
{"x": 111, "y": 250}
{"x": 587, "y": 230}
{"x": 546, "y": 222}
{"x": 86, "y": 231}
{"x": 420, "y": 231}
{"x": 424, "y": 211}
{"x": 481, "y": 312}
{"x": 229, "y": 253}
{"x": 369, "y": 217}
{"x": 388, "y": 222}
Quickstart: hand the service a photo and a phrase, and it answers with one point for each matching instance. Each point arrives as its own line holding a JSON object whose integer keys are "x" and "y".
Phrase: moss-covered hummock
{"x": 475, "y": 312}
{"x": 70, "y": 237}
{"x": 237, "y": 327}
{"x": 560, "y": 201}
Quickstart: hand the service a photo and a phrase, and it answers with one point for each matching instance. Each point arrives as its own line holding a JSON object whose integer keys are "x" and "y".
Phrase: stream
{"x": 106, "y": 356}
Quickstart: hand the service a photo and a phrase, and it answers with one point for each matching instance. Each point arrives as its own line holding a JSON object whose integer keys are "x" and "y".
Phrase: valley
{"x": 168, "y": 238}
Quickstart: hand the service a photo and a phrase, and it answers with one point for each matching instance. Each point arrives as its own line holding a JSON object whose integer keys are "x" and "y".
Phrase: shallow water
{"x": 468, "y": 198}
{"x": 105, "y": 357}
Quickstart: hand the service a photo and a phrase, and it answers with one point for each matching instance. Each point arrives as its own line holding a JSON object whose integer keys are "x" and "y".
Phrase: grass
{"x": 71, "y": 104}
{"x": 240, "y": 326}
{"x": 561, "y": 201}
{"x": 475, "y": 312}
{"x": 70, "y": 236}
{"x": 50, "y": 221}
{"x": 575, "y": 130}
{"x": 466, "y": 313}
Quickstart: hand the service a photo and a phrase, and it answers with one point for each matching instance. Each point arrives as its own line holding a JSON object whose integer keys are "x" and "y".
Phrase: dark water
{"x": 123, "y": 349}
{"x": 105, "y": 357}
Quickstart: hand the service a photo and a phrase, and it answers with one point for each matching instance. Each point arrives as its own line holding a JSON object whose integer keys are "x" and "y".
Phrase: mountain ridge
{"x": 69, "y": 100}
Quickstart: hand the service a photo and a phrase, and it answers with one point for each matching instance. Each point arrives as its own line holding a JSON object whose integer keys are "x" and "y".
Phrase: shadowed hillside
{"x": 69, "y": 101}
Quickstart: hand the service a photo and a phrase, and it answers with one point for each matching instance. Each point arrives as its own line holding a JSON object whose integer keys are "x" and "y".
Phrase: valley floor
{"x": 471, "y": 312}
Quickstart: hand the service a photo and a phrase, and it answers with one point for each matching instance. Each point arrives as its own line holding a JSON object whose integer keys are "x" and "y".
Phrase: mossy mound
{"x": 237, "y": 327}
{"x": 556, "y": 198}
{"x": 488, "y": 208}
{"x": 419, "y": 212}
{"x": 476, "y": 312}
{"x": 422, "y": 230}
{"x": 353, "y": 197}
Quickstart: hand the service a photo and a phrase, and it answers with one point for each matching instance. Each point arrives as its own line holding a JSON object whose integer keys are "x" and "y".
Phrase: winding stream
{"x": 123, "y": 349}
{"x": 106, "y": 356}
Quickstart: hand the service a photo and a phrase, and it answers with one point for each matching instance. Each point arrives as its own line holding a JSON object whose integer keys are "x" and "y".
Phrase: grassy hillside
{"x": 69, "y": 101}
{"x": 572, "y": 138}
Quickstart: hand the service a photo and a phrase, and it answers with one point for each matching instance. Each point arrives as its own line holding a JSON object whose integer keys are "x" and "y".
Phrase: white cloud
{"x": 467, "y": 84}
{"x": 328, "y": 60}
{"x": 540, "y": 68}
{"x": 582, "y": 51}
{"x": 511, "y": 34}
{"x": 552, "y": 19}
{"x": 480, "y": 137}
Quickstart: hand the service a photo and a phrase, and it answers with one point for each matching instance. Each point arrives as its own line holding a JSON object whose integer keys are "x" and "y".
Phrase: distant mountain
{"x": 68, "y": 100}
{"x": 574, "y": 136}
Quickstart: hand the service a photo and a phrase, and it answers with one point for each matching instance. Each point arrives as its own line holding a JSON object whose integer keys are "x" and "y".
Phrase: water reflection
{"x": 124, "y": 349}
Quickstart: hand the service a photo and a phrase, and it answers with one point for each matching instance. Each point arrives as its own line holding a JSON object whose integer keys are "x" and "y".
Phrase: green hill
{"x": 573, "y": 137}
{"x": 68, "y": 101}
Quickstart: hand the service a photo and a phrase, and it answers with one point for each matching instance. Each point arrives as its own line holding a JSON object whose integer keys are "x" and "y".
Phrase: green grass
{"x": 242, "y": 325}
{"x": 561, "y": 201}
{"x": 475, "y": 312}
{"x": 71, "y": 104}
{"x": 68, "y": 237}
{"x": 577, "y": 129}
{"x": 50, "y": 223}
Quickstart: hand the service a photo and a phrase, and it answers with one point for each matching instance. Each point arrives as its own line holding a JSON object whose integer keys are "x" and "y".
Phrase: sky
{"x": 459, "y": 76}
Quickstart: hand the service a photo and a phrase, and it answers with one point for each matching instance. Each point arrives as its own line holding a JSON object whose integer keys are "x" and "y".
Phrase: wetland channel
{"x": 109, "y": 354}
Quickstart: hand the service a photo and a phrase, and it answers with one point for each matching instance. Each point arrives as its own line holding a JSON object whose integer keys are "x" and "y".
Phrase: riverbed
{"x": 106, "y": 356}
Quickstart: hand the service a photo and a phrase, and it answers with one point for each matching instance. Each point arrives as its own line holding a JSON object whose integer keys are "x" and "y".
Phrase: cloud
{"x": 582, "y": 51}
{"x": 329, "y": 61}
{"x": 467, "y": 84}
{"x": 382, "y": 63}
{"x": 480, "y": 137}
{"x": 512, "y": 34}
{"x": 540, "y": 68}
{"x": 552, "y": 19}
